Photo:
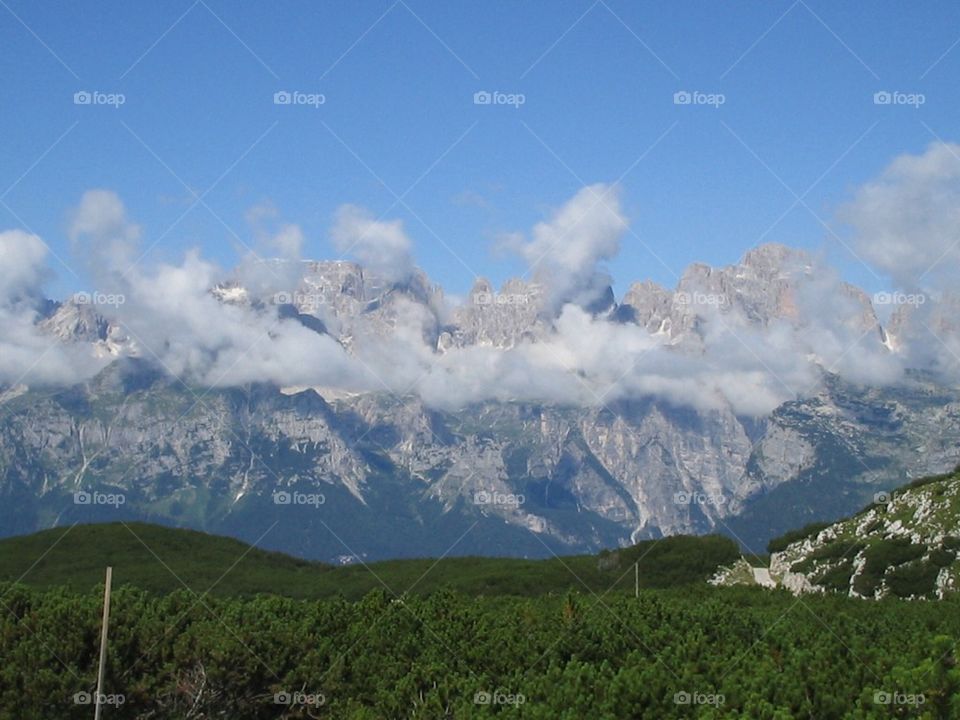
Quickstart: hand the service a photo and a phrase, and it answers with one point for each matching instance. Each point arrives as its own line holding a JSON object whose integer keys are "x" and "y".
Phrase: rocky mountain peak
{"x": 481, "y": 286}
{"x": 652, "y": 305}
{"x": 76, "y": 322}
{"x": 498, "y": 318}
{"x": 774, "y": 259}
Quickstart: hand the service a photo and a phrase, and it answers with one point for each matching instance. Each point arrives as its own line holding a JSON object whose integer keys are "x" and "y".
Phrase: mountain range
{"x": 747, "y": 400}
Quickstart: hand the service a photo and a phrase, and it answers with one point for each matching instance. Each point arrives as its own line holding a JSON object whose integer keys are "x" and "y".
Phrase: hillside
{"x": 905, "y": 544}
{"x": 161, "y": 560}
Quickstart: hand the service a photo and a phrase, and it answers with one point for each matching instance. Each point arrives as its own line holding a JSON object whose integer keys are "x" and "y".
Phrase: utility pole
{"x": 103, "y": 643}
{"x": 636, "y": 579}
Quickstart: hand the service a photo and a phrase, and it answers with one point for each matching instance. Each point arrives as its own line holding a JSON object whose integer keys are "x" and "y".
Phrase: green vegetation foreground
{"x": 696, "y": 652}
{"x": 162, "y": 559}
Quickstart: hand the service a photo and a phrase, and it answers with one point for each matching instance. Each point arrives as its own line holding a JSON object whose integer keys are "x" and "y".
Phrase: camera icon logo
{"x": 282, "y": 497}
{"x": 482, "y": 97}
{"x": 882, "y": 97}
{"x": 82, "y": 97}
{"x": 282, "y": 97}
{"x": 682, "y": 97}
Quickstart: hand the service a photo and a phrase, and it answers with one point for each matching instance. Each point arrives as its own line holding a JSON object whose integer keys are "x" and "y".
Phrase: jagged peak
{"x": 605, "y": 302}
{"x": 521, "y": 285}
{"x": 647, "y": 287}
{"x": 127, "y": 374}
{"x": 76, "y": 321}
{"x": 776, "y": 257}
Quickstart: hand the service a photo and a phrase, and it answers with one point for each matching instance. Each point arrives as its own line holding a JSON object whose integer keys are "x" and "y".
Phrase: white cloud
{"x": 22, "y": 263}
{"x": 27, "y": 355}
{"x": 565, "y": 252}
{"x": 285, "y": 241}
{"x": 101, "y": 220}
{"x": 382, "y": 246}
{"x": 288, "y": 242}
{"x": 906, "y": 223}
{"x": 737, "y": 363}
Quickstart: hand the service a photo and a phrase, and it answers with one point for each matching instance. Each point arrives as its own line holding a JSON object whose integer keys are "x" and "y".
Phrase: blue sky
{"x": 700, "y": 183}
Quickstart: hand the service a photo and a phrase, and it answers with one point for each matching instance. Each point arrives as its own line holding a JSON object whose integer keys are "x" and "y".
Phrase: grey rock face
{"x": 565, "y": 479}
{"x": 354, "y": 304}
{"x": 653, "y": 306}
{"x": 498, "y": 319}
{"x": 74, "y": 322}
{"x": 763, "y": 288}
{"x": 399, "y": 478}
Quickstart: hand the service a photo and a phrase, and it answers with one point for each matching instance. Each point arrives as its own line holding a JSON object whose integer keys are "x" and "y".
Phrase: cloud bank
{"x": 711, "y": 346}
{"x": 27, "y": 353}
{"x": 382, "y": 246}
{"x": 907, "y": 222}
{"x": 566, "y": 251}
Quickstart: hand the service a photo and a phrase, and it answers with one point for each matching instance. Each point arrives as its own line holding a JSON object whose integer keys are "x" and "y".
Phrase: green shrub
{"x": 942, "y": 557}
{"x": 680, "y": 559}
{"x": 836, "y": 578}
{"x": 914, "y": 579}
{"x": 880, "y": 556}
{"x": 836, "y": 550}
{"x": 779, "y": 544}
{"x": 569, "y": 656}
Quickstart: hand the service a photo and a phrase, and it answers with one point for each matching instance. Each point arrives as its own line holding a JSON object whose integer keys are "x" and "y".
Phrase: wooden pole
{"x": 636, "y": 579}
{"x": 103, "y": 642}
